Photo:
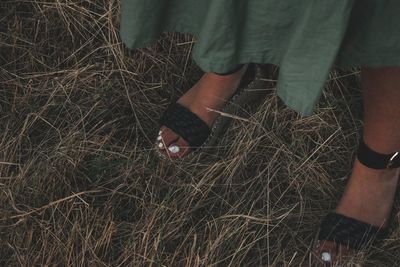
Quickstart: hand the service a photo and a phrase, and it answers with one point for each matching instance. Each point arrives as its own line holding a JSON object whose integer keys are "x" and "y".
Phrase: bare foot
{"x": 210, "y": 92}
{"x": 368, "y": 197}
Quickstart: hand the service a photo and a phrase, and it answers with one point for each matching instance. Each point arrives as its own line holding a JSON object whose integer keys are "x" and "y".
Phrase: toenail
{"x": 326, "y": 256}
{"x": 160, "y": 145}
{"x": 159, "y": 138}
{"x": 174, "y": 149}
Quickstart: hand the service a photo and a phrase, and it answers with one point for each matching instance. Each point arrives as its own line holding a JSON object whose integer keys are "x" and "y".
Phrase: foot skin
{"x": 368, "y": 197}
{"x": 209, "y": 93}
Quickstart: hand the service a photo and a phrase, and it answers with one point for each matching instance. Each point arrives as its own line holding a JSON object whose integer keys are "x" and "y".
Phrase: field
{"x": 80, "y": 184}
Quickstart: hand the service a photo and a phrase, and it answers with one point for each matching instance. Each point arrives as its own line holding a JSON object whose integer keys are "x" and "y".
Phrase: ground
{"x": 80, "y": 182}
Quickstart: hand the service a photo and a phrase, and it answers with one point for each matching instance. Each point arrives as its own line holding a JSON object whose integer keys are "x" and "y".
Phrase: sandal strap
{"x": 349, "y": 231}
{"x": 186, "y": 124}
{"x": 375, "y": 160}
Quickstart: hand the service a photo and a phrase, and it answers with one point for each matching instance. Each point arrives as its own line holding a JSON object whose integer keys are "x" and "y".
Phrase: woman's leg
{"x": 209, "y": 93}
{"x": 369, "y": 194}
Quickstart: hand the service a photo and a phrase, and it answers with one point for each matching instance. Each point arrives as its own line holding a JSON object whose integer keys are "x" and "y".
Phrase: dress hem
{"x": 225, "y": 64}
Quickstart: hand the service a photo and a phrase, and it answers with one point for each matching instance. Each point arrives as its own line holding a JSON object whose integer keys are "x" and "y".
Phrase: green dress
{"x": 305, "y": 38}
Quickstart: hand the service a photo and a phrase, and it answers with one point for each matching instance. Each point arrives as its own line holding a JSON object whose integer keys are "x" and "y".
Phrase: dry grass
{"x": 81, "y": 186}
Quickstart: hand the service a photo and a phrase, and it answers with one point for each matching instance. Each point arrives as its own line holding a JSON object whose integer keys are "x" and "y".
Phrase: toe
{"x": 326, "y": 252}
{"x": 171, "y": 144}
{"x": 332, "y": 254}
{"x": 165, "y": 137}
{"x": 178, "y": 149}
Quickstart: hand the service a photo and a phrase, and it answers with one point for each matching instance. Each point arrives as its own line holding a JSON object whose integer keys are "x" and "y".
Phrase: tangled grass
{"x": 81, "y": 186}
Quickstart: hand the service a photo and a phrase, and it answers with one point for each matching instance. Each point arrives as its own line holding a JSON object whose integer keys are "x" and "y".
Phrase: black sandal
{"x": 355, "y": 234}
{"x": 196, "y": 132}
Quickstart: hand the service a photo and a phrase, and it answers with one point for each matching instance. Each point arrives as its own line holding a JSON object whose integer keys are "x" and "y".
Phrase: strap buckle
{"x": 391, "y": 160}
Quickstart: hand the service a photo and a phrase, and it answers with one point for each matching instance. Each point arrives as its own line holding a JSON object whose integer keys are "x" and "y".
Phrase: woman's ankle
{"x": 369, "y": 194}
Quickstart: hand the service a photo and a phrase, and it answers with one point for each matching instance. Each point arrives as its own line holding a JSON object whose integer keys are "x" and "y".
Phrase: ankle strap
{"x": 375, "y": 160}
